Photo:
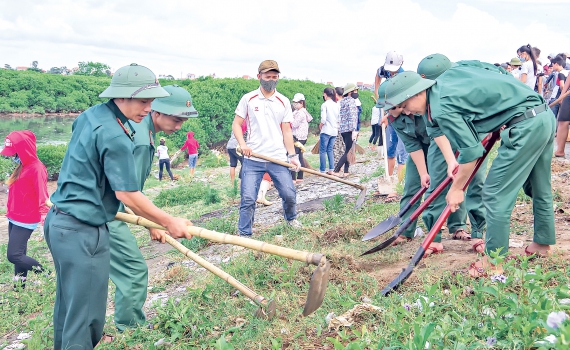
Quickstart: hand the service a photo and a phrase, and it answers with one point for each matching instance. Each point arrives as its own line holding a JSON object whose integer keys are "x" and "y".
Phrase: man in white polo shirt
{"x": 268, "y": 116}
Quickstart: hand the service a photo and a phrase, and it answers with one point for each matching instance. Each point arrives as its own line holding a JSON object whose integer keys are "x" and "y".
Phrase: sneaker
{"x": 295, "y": 224}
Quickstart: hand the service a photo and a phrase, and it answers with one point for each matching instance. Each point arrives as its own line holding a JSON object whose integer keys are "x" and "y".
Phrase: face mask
{"x": 268, "y": 85}
{"x": 297, "y": 105}
{"x": 16, "y": 159}
{"x": 354, "y": 95}
{"x": 523, "y": 60}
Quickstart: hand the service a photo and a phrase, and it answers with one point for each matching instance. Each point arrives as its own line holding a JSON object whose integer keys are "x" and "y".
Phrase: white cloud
{"x": 331, "y": 40}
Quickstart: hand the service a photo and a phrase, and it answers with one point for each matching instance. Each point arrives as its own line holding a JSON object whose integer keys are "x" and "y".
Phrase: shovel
{"x": 407, "y": 272}
{"x": 487, "y": 142}
{"x": 319, "y": 279}
{"x": 266, "y": 307}
{"x": 392, "y": 221}
{"x": 361, "y": 196}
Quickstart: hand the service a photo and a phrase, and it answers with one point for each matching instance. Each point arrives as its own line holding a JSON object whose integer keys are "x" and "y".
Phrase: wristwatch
{"x": 291, "y": 156}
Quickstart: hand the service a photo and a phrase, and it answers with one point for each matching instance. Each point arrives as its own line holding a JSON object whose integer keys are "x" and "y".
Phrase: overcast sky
{"x": 336, "y": 40}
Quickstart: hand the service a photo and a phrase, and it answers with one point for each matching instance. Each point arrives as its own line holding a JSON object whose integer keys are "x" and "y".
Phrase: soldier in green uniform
{"x": 431, "y": 67}
{"x": 466, "y": 102}
{"x": 129, "y": 270}
{"x": 421, "y": 144}
{"x": 98, "y": 172}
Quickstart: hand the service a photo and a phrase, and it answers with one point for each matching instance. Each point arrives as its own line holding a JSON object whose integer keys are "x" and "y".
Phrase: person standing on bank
{"x": 163, "y": 160}
{"x": 129, "y": 271}
{"x": 329, "y": 129}
{"x": 191, "y": 145}
{"x": 97, "y": 174}
{"x": 268, "y": 116}
{"x": 529, "y": 68}
{"x": 300, "y": 129}
{"x": 376, "y": 137}
{"x": 27, "y": 195}
{"x": 348, "y": 123}
{"x": 524, "y": 155}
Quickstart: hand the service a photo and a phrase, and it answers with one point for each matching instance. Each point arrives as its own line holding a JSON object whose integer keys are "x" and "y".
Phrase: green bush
{"x": 211, "y": 196}
{"x": 180, "y": 195}
{"x": 214, "y": 161}
{"x": 52, "y": 157}
{"x": 6, "y": 168}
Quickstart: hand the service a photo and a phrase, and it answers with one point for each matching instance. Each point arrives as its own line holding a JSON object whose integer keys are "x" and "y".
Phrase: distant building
{"x": 191, "y": 76}
{"x": 213, "y": 75}
{"x": 330, "y": 83}
{"x": 21, "y": 68}
{"x": 247, "y": 77}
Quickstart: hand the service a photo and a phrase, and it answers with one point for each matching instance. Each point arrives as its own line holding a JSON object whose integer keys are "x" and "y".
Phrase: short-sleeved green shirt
{"x": 467, "y": 102}
{"x": 144, "y": 148}
{"x": 99, "y": 161}
{"x": 411, "y": 130}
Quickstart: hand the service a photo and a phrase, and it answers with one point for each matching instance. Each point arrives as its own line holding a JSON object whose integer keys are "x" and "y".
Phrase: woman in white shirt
{"x": 329, "y": 129}
{"x": 163, "y": 159}
{"x": 529, "y": 68}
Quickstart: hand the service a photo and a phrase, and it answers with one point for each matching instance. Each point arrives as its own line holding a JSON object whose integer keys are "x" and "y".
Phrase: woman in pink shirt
{"x": 300, "y": 128}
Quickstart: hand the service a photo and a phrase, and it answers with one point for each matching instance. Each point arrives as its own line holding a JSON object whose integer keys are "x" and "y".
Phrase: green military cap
{"x": 434, "y": 65}
{"x": 515, "y": 62}
{"x": 178, "y": 104}
{"x": 404, "y": 86}
{"x": 381, "y": 101}
{"x": 134, "y": 81}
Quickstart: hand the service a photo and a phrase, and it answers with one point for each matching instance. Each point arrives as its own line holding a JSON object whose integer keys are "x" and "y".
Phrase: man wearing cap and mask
{"x": 524, "y": 155}
{"x": 129, "y": 271}
{"x": 268, "y": 116}
{"x": 97, "y": 174}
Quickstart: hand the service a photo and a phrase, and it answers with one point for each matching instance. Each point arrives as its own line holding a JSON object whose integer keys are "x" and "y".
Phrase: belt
{"x": 529, "y": 113}
{"x": 57, "y": 210}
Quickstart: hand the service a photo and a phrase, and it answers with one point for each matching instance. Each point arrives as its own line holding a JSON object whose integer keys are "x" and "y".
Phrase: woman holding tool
{"x": 524, "y": 155}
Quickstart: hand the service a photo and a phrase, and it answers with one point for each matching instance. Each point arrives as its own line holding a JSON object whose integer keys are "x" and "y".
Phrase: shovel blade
{"x": 382, "y": 228}
{"x": 317, "y": 288}
{"x": 361, "y": 198}
{"x": 266, "y": 312}
{"x": 381, "y": 246}
{"x": 397, "y": 282}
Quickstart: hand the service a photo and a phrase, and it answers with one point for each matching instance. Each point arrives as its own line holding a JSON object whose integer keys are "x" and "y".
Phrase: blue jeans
{"x": 401, "y": 154}
{"x": 326, "y": 151}
{"x": 252, "y": 174}
{"x": 192, "y": 159}
{"x": 392, "y": 141}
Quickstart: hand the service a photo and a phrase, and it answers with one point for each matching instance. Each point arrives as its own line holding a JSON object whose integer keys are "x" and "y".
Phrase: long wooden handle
{"x": 310, "y": 171}
{"x": 387, "y": 176}
{"x": 309, "y": 258}
{"x": 258, "y": 299}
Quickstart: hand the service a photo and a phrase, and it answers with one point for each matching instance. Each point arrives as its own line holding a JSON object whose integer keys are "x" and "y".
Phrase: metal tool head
{"x": 382, "y": 245}
{"x": 318, "y": 287}
{"x": 361, "y": 198}
{"x": 397, "y": 282}
{"x": 266, "y": 312}
{"x": 382, "y": 228}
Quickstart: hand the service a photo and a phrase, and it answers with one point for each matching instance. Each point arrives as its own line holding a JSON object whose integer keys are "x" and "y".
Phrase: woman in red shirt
{"x": 27, "y": 195}
{"x": 192, "y": 146}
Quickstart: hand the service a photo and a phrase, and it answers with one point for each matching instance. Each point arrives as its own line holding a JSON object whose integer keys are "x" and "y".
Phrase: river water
{"x": 49, "y": 129}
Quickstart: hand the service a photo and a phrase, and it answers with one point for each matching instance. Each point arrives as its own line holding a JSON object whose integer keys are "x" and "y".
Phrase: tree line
{"x": 215, "y": 99}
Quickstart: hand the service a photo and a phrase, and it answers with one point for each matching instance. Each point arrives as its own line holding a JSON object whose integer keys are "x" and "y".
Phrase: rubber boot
{"x": 263, "y": 188}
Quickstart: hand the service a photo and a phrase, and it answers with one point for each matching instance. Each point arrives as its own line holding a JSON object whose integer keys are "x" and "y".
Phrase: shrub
{"x": 213, "y": 161}
{"x": 6, "y": 168}
{"x": 211, "y": 196}
{"x": 52, "y": 157}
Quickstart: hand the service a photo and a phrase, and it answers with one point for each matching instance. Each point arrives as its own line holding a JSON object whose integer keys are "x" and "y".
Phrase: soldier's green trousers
{"x": 129, "y": 273}
{"x": 472, "y": 206}
{"x": 524, "y": 160}
{"x": 81, "y": 257}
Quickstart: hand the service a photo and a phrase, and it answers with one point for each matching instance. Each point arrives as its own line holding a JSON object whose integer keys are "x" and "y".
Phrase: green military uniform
{"x": 129, "y": 271}
{"x": 467, "y": 102}
{"x": 415, "y": 135}
{"x": 432, "y": 67}
{"x": 99, "y": 161}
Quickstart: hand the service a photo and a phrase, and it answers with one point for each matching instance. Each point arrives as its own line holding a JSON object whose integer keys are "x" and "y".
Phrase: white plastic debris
{"x": 23, "y": 336}
{"x": 329, "y": 317}
{"x": 419, "y": 232}
{"x": 515, "y": 243}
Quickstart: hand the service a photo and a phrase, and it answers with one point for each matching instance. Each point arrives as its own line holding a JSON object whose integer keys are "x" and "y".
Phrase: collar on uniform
{"x": 274, "y": 97}
{"x": 151, "y": 129}
{"x": 121, "y": 119}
